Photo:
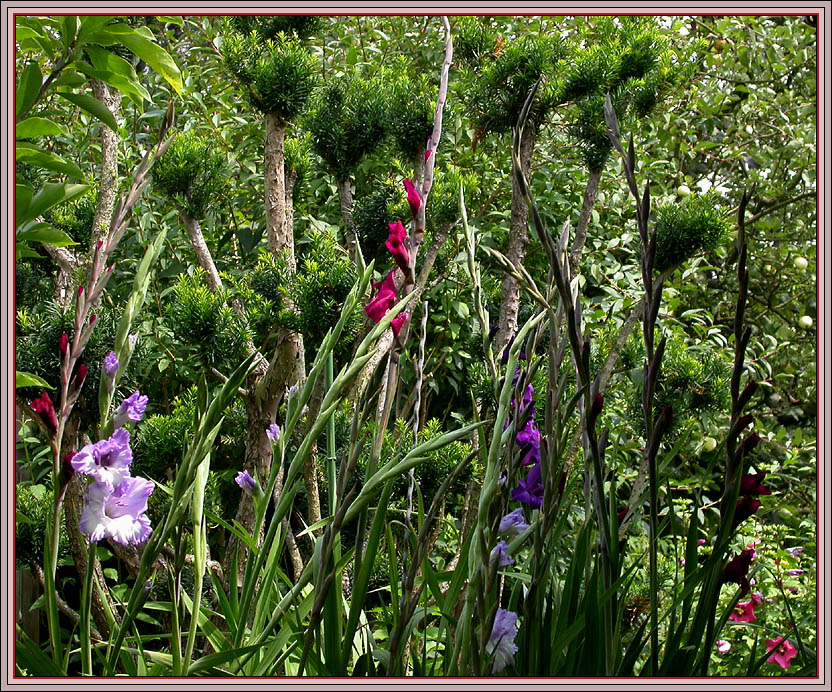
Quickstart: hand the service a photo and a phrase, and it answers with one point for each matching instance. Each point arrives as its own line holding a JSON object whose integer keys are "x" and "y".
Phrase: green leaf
{"x": 45, "y": 233}
{"x": 47, "y": 197}
{"x": 27, "y": 88}
{"x": 90, "y": 25}
{"x": 35, "y": 156}
{"x": 93, "y": 106}
{"x": 23, "y": 250}
{"x": 69, "y": 28}
{"x": 27, "y": 379}
{"x": 114, "y": 71}
{"x": 155, "y": 56}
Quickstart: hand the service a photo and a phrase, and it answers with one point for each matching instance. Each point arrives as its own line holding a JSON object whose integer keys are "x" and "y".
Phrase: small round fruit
{"x": 806, "y": 322}
{"x": 768, "y": 269}
{"x": 749, "y": 129}
{"x": 709, "y": 444}
{"x": 683, "y": 191}
{"x": 801, "y": 263}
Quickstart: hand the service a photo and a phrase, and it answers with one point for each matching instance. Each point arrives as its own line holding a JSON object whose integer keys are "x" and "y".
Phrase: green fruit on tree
{"x": 683, "y": 191}
{"x": 709, "y": 444}
{"x": 806, "y": 322}
{"x": 801, "y": 263}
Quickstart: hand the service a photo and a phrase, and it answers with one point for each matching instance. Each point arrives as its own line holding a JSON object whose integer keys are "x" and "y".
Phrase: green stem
{"x": 51, "y": 565}
{"x": 86, "y": 603}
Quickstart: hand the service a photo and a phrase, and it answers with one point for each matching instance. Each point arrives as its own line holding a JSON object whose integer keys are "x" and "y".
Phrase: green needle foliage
{"x": 684, "y": 230}
{"x": 192, "y": 173}
{"x": 410, "y": 114}
{"x": 348, "y": 122}
{"x": 277, "y": 69}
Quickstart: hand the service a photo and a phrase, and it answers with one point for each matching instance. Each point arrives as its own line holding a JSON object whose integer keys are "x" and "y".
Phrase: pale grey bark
{"x": 203, "y": 254}
{"x": 590, "y": 196}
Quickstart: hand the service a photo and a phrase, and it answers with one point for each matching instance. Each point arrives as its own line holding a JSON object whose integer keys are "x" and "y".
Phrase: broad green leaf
{"x": 47, "y": 197}
{"x": 44, "y": 233}
{"x": 29, "y": 153}
{"x": 37, "y": 127}
{"x": 22, "y": 196}
{"x": 27, "y": 88}
{"x": 153, "y": 54}
{"x": 90, "y": 25}
{"x": 93, "y": 106}
{"x": 114, "y": 71}
{"x": 27, "y": 379}
{"x": 69, "y": 29}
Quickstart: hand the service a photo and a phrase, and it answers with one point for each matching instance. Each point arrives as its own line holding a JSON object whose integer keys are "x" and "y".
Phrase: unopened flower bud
{"x": 80, "y": 376}
{"x": 597, "y": 405}
{"x": 63, "y": 344}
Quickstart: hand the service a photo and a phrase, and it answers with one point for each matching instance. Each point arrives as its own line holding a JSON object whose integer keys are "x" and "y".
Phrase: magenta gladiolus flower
{"x": 119, "y": 514}
{"x": 722, "y": 646}
{"x": 500, "y": 554}
{"x": 414, "y": 199}
{"x": 46, "y": 410}
{"x": 513, "y": 523}
{"x": 501, "y": 642}
{"x": 395, "y": 244}
{"x": 743, "y": 612}
{"x": 273, "y": 432}
{"x": 111, "y": 364}
{"x": 246, "y": 482}
{"x": 107, "y": 461}
{"x": 131, "y": 410}
{"x": 377, "y": 308}
{"x": 783, "y": 652}
{"x": 397, "y": 323}
{"x": 63, "y": 343}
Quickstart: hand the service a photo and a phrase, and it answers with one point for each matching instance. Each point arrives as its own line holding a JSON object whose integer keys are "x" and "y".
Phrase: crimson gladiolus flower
{"x": 383, "y": 300}
{"x": 746, "y": 507}
{"x": 414, "y": 199}
{"x": 736, "y": 570}
{"x": 782, "y": 652}
{"x": 752, "y": 484}
{"x": 63, "y": 344}
{"x": 46, "y": 410}
{"x": 395, "y": 244}
{"x": 398, "y": 323}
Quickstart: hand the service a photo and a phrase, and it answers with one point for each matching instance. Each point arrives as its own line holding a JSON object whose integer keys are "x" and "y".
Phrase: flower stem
{"x": 86, "y": 602}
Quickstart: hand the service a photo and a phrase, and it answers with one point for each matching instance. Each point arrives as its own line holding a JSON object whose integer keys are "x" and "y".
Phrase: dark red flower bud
{"x": 110, "y": 268}
{"x": 749, "y": 391}
{"x": 93, "y": 319}
{"x": 745, "y": 508}
{"x": 100, "y": 244}
{"x": 562, "y": 483}
{"x": 80, "y": 291}
{"x": 44, "y": 408}
{"x": 66, "y": 468}
{"x": 750, "y": 443}
{"x": 585, "y": 350}
{"x": 63, "y": 344}
{"x": 744, "y": 422}
{"x": 597, "y": 405}
{"x": 80, "y": 376}
{"x": 668, "y": 416}
{"x": 752, "y": 484}
{"x": 622, "y": 514}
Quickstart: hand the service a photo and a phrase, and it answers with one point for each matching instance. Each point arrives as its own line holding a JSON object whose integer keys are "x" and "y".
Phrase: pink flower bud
{"x": 414, "y": 199}
{"x": 63, "y": 343}
{"x": 80, "y": 291}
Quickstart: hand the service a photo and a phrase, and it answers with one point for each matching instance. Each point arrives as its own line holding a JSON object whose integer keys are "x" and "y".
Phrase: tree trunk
{"x": 203, "y": 254}
{"x": 345, "y": 199}
{"x": 108, "y": 182}
{"x": 518, "y": 240}
{"x": 279, "y": 237}
{"x": 590, "y": 195}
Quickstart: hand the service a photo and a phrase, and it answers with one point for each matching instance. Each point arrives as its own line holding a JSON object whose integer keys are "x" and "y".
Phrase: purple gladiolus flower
{"x": 111, "y": 364}
{"x": 529, "y": 491}
{"x": 528, "y": 440}
{"x": 107, "y": 461}
{"x": 246, "y": 482}
{"x": 501, "y": 642}
{"x": 795, "y": 572}
{"x": 131, "y": 410}
{"x": 273, "y": 432}
{"x": 500, "y": 554}
{"x": 118, "y": 514}
{"x": 796, "y": 551}
{"x": 513, "y": 523}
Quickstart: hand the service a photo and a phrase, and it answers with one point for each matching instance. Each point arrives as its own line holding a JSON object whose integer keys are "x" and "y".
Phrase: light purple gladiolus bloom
{"x": 501, "y": 642}
{"x": 131, "y": 410}
{"x": 111, "y": 364}
{"x": 723, "y": 647}
{"x": 246, "y": 482}
{"x": 119, "y": 514}
{"x": 529, "y": 490}
{"x": 513, "y": 523}
{"x": 795, "y": 572}
{"x": 795, "y": 551}
{"x": 273, "y": 432}
{"x": 107, "y": 461}
{"x": 500, "y": 553}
